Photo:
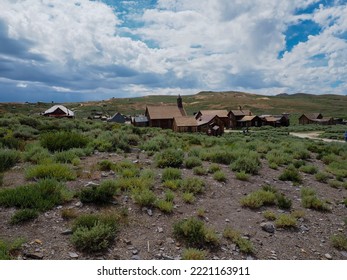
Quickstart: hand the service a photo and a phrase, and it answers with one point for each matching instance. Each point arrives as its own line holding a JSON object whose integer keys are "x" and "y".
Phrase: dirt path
{"x": 314, "y": 135}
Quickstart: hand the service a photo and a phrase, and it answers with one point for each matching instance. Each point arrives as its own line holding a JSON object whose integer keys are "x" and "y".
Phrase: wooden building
{"x": 59, "y": 111}
{"x": 249, "y": 121}
{"x": 117, "y": 118}
{"x": 211, "y": 125}
{"x": 163, "y": 116}
{"x": 222, "y": 114}
{"x": 235, "y": 116}
{"x": 185, "y": 124}
{"x": 139, "y": 121}
{"x": 275, "y": 120}
{"x": 315, "y": 118}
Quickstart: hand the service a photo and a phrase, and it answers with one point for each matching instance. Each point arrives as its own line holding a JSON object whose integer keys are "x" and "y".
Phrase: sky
{"x": 81, "y": 50}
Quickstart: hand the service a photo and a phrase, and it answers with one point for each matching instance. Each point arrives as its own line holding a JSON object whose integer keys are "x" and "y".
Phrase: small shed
{"x": 139, "y": 121}
{"x": 58, "y": 111}
{"x": 117, "y": 118}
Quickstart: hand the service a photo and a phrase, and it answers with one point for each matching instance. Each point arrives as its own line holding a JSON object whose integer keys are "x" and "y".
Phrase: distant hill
{"x": 296, "y": 104}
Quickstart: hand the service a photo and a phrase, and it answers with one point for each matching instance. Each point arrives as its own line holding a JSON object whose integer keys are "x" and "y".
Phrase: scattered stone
{"x": 304, "y": 228}
{"x": 79, "y": 204}
{"x": 160, "y": 229}
{"x": 249, "y": 258}
{"x": 135, "y": 252}
{"x": 67, "y": 232}
{"x": 328, "y": 256}
{"x": 136, "y": 161}
{"x": 238, "y": 210}
{"x": 128, "y": 242}
{"x": 91, "y": 184}
{"x": 149, "y": 212}
{"x": 73, "y": 255}
{"x": 344, "y": 253}
{"x": 38, "y": 241}
{"x": 227, "y": 220}
{"x": 170, "y": 240}
{"x": 268, "y": 227}
{"x": 136, "y": 257}
{"x": 166, "y": 257}
{"x": 35, "y": 256}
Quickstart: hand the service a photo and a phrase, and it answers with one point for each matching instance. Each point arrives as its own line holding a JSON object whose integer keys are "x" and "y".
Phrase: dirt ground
{"x": 149, "y": 232}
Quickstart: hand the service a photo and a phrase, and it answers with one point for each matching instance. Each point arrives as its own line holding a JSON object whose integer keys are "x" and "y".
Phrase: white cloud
{"x": 179, "y": 46}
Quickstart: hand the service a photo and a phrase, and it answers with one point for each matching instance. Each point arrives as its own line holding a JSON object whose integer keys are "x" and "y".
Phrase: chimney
{"x": 240, "y": 107}
{"x": 179, "y": 102}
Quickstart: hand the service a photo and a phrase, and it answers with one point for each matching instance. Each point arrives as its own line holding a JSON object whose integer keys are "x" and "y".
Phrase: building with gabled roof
{"x": 117, "y": 118}
{"x": 235, "y": 116}
{"x": 59, "y": 111}
{"x": 185, "y": 124}
{"x": 315, "y": 118}
{"x": 163, "y": 116}
{"x": 222, "y": 114}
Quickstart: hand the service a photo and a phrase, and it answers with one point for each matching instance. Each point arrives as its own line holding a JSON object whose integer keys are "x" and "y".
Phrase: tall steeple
{"x": 179, "y": 102}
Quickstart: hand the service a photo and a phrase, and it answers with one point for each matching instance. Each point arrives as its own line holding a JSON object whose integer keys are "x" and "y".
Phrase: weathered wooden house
{"x": 315, "y": 118}
{"x": 275, "y": 120}
{"x": 163, "y": 116}
{"x": 58, "y": 111}
{"x": 235, "y": 116}
{"x": 222, "y": 114}
{"x": 185, "y": 124}
{"x": 211, "y": 125}
{"x": 117, "y": 118}
{"x": 249, "y": 121}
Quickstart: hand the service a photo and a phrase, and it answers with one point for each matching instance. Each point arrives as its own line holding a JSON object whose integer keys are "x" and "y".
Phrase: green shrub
{"x": 93, "y": 233}
{"x": 105, "y": 165}
{"x": 283, "y": 202}
{"x": 193, "y": 185}
{"x": 242, "y": 176}
{"x": 309, "y": 169}
{"x": 339, "y": 241}
{"x": 1, "y": 179}
{"x": 61, "y": 141}
{"x": 164, "y": 205}
{"x": 194, "y": 232}
{"x": 278, "y": 157}
{"x": 291, "y": 174}
{"x": 65, "y": 157}
{"x": 322, "y": 177}
{"x": 247, "y": 162}
{"x": 42, "y": 196}
{"x": 8, "y": 158}
{"x": 8, "y": 249}
{"x": 244, "y": 245}
{"x": 213, "y": 168}
{"x": 259, "y": 198}
{"x": 193, "y": 254}
{"x": 24, "y": 215}
{"x": 169, "y": 195}
{"x": 218, "y": 156}
{"x": 170, "y": 158}
{"x": 147, "y": 174}
{"x": 199, "y": 170}
{"x": 99, "y": 194}
{"x": 171, "y": 174}
{"x": 220, "y": 176}
{"x": 191, "y": 162}
{"x": 144, "y": 196}
{"x": 335, "y": 184}
{"x": 269, "y": 215}
{"x": 285, "y": 221}
{"x": 69, "y": 213}
{"x": 37, "y": 154}
{"x": 172, "y": 184}
{"x": 188, "y": 197}
{"x": 53, "y": 170}
{"x": 310, "y": 200}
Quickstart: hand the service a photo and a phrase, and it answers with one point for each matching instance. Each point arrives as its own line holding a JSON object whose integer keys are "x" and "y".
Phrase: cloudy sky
{"x": 78, "y": 50}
